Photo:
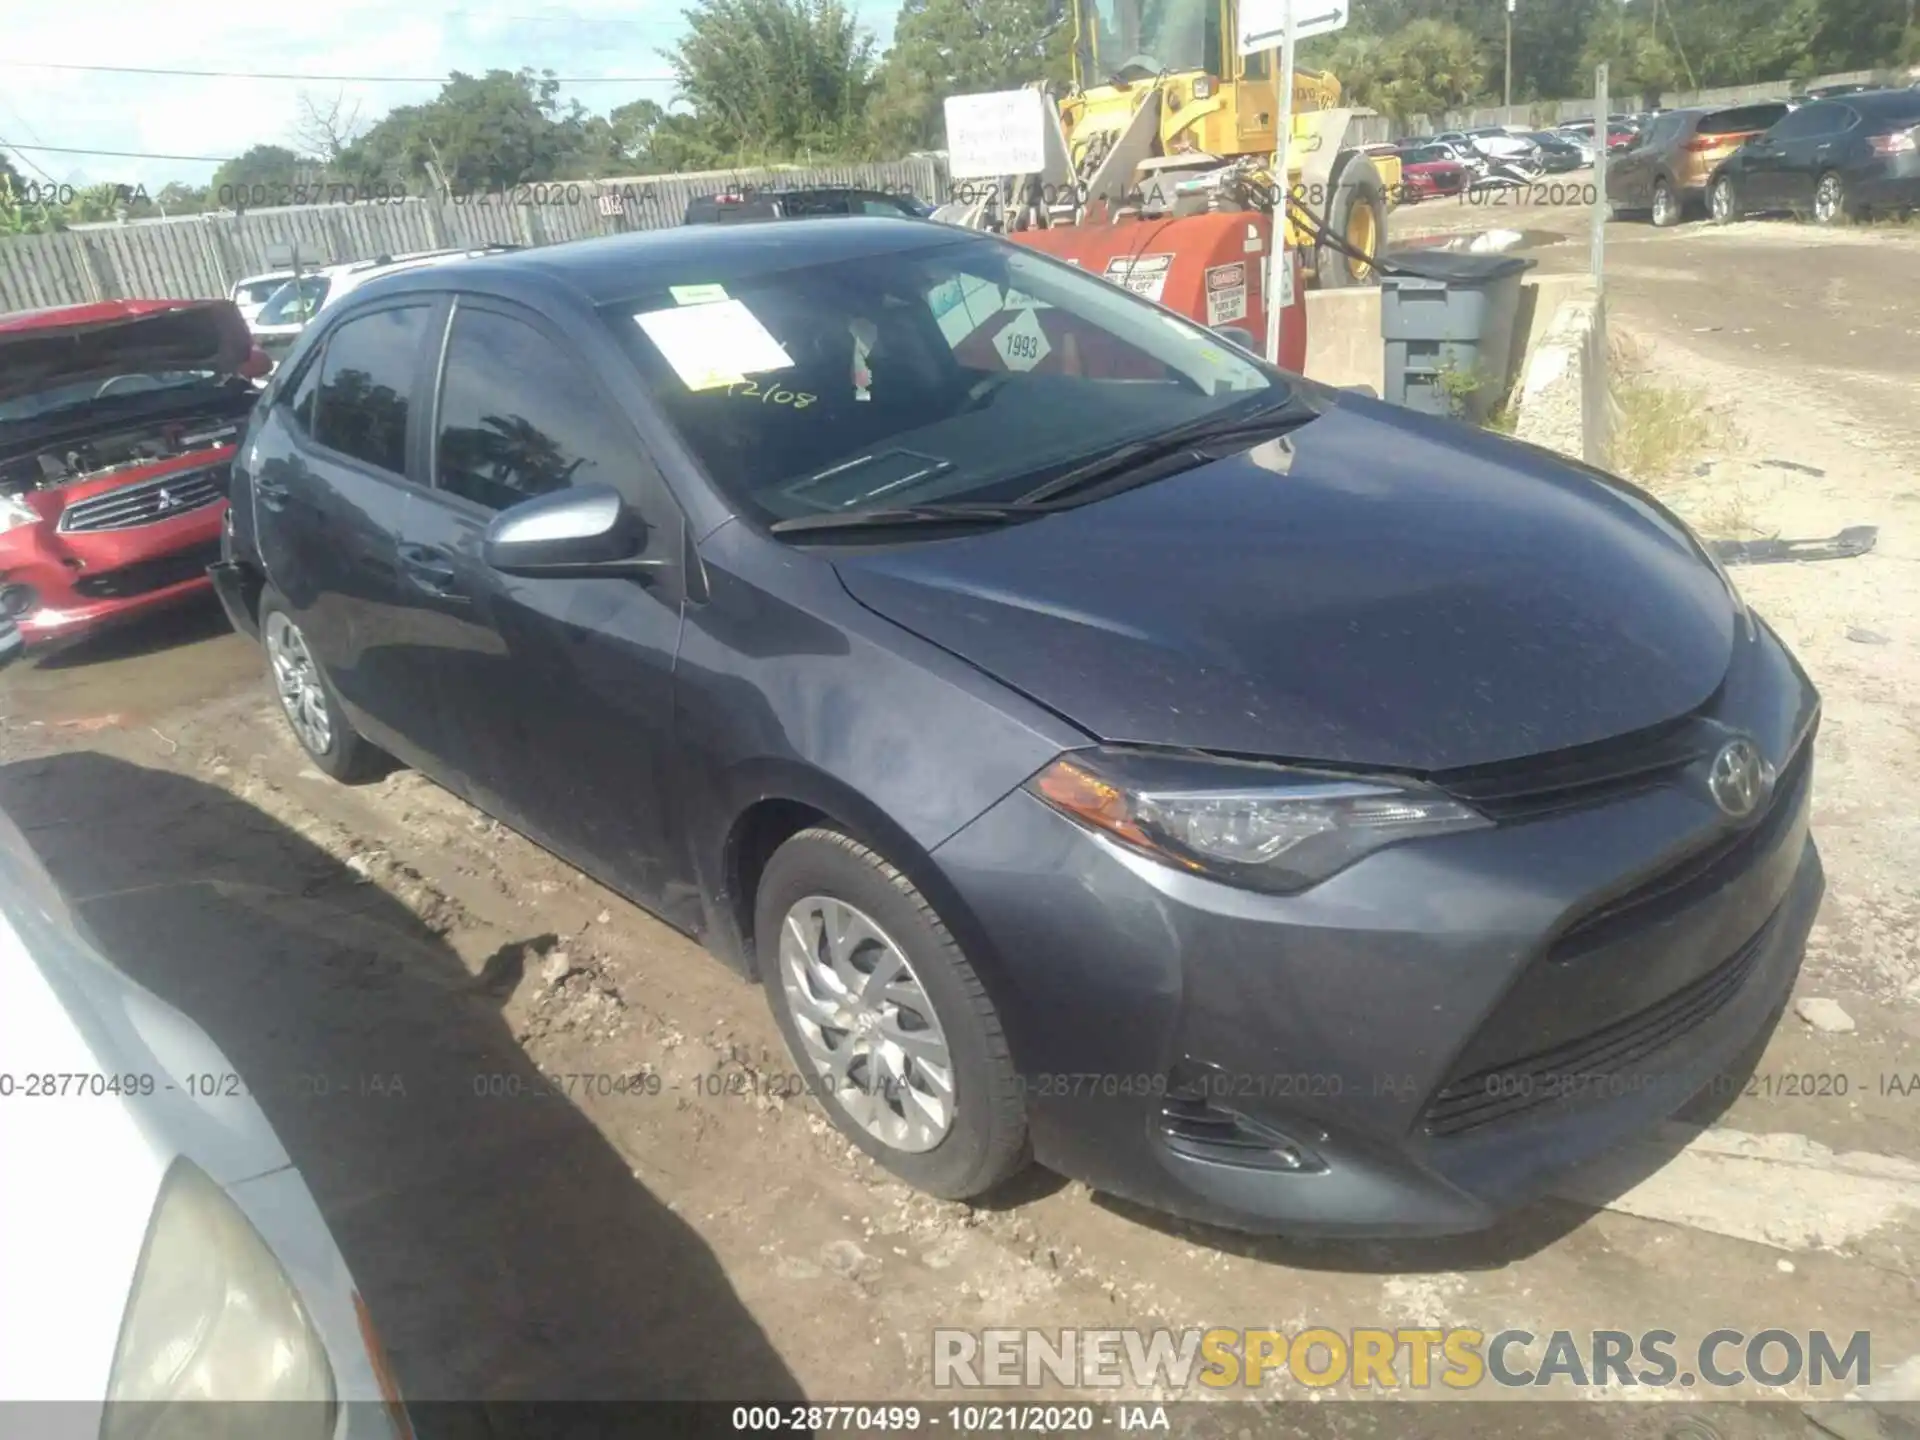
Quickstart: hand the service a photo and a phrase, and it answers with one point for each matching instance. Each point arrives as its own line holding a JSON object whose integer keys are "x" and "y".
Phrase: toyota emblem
{"x": 1739, "y": 778}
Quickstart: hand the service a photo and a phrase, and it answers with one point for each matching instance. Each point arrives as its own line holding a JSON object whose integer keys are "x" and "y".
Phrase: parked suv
{"x": 117, "y": 423}
{"x": 1664, "y": 174}
{"x": 1839, "y": 160}
{"x": 1247, "y": 797}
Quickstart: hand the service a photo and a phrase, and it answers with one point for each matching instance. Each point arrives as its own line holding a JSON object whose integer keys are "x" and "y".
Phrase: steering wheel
{"x": 110, "y": 382}
{"x": 1144, "y": 64}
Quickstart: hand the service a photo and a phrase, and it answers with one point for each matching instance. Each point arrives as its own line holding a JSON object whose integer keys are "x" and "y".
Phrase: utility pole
{"x": 1279, "y": 288}
{"x": 1510, "y": 4}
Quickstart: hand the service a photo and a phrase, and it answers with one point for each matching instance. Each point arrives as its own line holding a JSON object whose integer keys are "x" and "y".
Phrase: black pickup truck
{"x": 735, "y": 207}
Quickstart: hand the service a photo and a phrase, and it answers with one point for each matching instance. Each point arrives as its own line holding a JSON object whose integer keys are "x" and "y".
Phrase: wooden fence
{"x": 197, "y": 256}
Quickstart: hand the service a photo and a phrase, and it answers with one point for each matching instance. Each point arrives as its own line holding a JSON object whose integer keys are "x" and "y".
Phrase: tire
{"x": 1358, "y": 209}
{"x": 975, "y": 1140}
{"x": 1668, "y": 208}
{"x": 309, "y": 701}
{"x": 1831, "y": 204}
{"x": 1723, "y": 201}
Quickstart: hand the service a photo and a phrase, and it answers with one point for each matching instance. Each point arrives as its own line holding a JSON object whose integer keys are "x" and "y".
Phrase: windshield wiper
{"x": 1138, "y": 457}
{"x": 956, "y": 513}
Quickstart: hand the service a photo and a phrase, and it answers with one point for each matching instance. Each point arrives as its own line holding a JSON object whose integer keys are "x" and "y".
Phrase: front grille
{"x": 1585, "y": 775}
{"x": 1594, "y": 1065}
{"x": 149, "y": 575}
{"x": 147, "y": 502}
{"x": 1692, "y": 878}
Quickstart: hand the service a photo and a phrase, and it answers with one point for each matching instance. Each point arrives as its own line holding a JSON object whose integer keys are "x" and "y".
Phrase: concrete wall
{"x": 1563, "y": 401}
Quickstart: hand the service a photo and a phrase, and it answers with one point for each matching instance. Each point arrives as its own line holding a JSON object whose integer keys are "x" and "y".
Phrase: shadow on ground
{"x": 504, "y": 1246}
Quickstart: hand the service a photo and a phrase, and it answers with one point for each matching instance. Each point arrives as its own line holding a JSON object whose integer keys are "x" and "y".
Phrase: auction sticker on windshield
{"x": 1021, "y": 342}
{"x": 1142, "y": 274}
{"x": 1227, "y": 293}
{"x": 713, "y": 345}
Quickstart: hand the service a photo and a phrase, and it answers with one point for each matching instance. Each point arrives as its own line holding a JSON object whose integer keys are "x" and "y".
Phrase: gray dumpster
{"x": 1448, "y": 321}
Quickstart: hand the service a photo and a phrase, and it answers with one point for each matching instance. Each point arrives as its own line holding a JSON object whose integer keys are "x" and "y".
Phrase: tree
{"x": 1426, "y": 68}
{"x": 773, "y": 79}
{"x": 480, "y": 133}
{"x": 1638, "y": 63}
{"x": 326, "y": 127}
{"x": 958, "y": 47}
{"x": 263, "y": 175}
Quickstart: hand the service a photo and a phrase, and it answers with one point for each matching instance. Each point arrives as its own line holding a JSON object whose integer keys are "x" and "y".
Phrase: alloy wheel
{"x": 866, "y": 1024}
{"x": 1828, "y": 199}
{"x": 297, "y": 679}
{"x": 1663, "y": 204}
{"x": 1720, "y": 200}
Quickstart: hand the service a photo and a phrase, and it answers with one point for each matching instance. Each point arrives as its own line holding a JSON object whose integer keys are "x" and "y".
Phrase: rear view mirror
{"x": 576, "y": 533}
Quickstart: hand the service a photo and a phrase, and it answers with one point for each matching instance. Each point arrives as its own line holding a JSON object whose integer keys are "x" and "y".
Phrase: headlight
{"x": 15, "y": 512}
{"x": 1266, "y": 827}
{"x": 213, "y": 1317}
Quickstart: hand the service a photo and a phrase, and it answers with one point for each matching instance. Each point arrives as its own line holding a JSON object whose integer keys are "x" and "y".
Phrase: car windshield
{"x": 967, "y": 370}
{"x": 104, "y": 387}
{"x": 296, "y": 302}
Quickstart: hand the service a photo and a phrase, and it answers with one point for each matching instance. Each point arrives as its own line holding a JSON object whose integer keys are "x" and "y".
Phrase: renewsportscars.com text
{"x": 1376, "y": 1360}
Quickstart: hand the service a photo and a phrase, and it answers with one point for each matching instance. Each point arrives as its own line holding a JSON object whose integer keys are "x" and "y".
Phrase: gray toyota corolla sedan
{"x": 1252, "y": 799}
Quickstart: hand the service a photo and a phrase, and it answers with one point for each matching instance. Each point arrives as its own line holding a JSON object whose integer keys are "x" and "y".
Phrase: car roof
{"x": 97, "y": 312}
{"x": 608, "y": 269}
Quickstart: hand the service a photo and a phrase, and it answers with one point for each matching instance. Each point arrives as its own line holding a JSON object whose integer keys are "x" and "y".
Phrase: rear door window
{"x": 366, "y": 376}
{"x": 1742, "y": 119}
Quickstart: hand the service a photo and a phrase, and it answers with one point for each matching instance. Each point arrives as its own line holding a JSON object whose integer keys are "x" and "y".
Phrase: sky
{"x": 169, "y": 115}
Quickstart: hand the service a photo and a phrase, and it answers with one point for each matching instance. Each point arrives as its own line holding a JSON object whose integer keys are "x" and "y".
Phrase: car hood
{"x": 1379, "y": 588}
{"x": 41, "y": 350}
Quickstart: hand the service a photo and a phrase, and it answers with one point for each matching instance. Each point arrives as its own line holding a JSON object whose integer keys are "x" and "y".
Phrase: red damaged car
{"x": 117, "y": 424}
{"x": 1429, "y": 171}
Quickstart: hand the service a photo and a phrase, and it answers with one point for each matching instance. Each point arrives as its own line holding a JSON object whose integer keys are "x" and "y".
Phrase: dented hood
{"x": 42, "y": 349}
{"x": 1380, "y": 588}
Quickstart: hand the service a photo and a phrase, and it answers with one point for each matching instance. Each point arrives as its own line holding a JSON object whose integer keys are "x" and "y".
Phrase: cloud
{"x": 179, "y": 115}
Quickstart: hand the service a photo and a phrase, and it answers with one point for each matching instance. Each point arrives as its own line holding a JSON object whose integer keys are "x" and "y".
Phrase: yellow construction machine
{"x": 1166, "y": 118}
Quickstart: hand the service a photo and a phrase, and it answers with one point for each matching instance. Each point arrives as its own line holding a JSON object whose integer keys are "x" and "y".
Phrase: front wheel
{"x": 311, "y": 704}
{"x": 1830, "y": 204}
{"x": 892, "y": 1028}
{"x": 1356, "y": 226}
{"x": 1723, "y": 201}
{"x": 1666, "y": 205}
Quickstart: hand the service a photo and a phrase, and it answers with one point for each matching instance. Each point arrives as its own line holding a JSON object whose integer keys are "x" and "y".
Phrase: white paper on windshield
{"x": 713, "y": 345}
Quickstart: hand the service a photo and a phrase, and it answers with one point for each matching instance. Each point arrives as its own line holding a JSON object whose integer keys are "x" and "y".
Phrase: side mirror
{"x": 570, "y": 534}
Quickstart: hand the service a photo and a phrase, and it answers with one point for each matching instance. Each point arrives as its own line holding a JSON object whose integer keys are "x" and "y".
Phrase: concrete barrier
{"x": 1343, "y": 329}
{"x": 1563, "y": 401}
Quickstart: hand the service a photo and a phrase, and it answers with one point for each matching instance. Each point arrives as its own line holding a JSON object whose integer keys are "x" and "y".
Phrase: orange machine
{"x": 1209, "y": 267}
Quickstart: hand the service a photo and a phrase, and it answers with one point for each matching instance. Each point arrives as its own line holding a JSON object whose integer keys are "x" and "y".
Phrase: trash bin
{"x": 1448, "y": 322}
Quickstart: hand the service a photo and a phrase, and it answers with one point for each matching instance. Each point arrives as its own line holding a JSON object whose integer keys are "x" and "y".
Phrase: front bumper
{"x": 61, "y": 585}
{"x": 1427, "y": 1032}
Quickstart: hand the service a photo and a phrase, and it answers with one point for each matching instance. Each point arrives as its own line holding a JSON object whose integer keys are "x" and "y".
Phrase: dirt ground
{"x": 432, "y": 1009}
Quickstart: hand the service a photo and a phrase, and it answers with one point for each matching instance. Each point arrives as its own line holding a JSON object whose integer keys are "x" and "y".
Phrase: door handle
{"x": 429, "y": 568}
{"x": 271, "y": 493}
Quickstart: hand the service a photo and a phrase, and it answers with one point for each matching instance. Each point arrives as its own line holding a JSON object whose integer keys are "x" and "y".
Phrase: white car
{"x": 293, "y": 306}
{"x": 157, "y": 1246}
{"x": 1499, "y": 143}
{"x": 253, "y": 292}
